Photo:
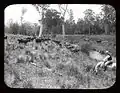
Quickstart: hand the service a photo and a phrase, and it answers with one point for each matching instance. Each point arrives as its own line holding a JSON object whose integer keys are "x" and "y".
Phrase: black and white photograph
{"x": 60, "y": 46}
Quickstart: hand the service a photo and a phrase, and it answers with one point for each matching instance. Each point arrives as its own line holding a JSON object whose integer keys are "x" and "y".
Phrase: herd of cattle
{"x": 71, "y": 47}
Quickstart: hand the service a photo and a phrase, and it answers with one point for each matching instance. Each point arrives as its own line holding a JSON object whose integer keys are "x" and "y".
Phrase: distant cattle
{"x": 26, "y": 40}
{"x": 86, "y": 39}
{"x": 5, "y": 37}
{"x": 22, "y": 41}
{"x": 57, "y": 42}
{"x": 99, "y": 41}
{"x": 72, "y": 47}
{"x": 30, "y": 38}
{"x": 39, "y": 40}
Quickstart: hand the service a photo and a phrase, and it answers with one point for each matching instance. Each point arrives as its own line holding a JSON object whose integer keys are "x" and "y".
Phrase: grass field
{"x": 58, "y": 68}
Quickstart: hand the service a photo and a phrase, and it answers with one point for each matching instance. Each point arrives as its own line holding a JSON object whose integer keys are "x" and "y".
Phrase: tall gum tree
{"x": 109, "y": 17}
{"x": 41, "y": 8}
{"x": 63, "y": 9}
{"x": 23, "y": 11}
{"x": 89, "y": 18}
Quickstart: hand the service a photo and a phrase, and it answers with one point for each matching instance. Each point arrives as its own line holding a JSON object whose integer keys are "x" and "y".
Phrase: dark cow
{"x": 99, "y": 41}
{"x": 22, "y": 41}
{"x": 5, "y": 37}
{"x": 39, "y": 40}
{"x": 26, "y": 40}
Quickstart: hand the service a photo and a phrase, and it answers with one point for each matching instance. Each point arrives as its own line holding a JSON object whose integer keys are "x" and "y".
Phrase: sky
{"x": 14, "y": 12}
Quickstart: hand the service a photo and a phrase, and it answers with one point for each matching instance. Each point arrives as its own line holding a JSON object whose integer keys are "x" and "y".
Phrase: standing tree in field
{"x": 70, "y": 24}
{"x": 98, "y": 25}
{"x": 80, "y": 26}
{"x": 89, "y": 18}
{"x": 63, "y": 9}
{"x": 71, "y": 19}
{"x": 13, "y": 27}
{"x": 52, "y": 21}
{"x": 109, "y": 18}
{"x": 41, "y": 8}
{"x": 23, "y": 11}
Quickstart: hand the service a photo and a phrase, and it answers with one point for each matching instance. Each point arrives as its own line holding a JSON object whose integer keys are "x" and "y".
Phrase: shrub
{"x": 85, "y": 48}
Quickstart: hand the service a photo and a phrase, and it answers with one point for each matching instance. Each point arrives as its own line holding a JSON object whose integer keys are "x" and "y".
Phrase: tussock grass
{"x": 57, "y": 68}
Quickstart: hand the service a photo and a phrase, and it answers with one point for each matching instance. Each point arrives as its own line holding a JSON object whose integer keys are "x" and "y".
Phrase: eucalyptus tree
{"x": 21, "y": 29}
{"x": 109, "y": 17}
{"x": 89, "y": 18}
{"x": 52, "y": 20}
{"x": 41, "y": 8}
{"x": 23, "y": 11}
{"x": 81, "y": 26}
{"x": 63, "y": 9}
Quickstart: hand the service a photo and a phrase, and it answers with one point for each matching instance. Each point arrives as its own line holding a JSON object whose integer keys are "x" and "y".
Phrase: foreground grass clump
{"x": 34, "y": 66}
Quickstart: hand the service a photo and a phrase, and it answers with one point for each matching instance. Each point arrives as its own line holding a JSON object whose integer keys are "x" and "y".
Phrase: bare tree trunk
{"x": 21, "y": 20}
{"x": 106, "y": 27}
{"x": 41, "y": 29}
{"x": 41, "y": 25}
{"x": 89, "y": 29}
{"x": 63, "y": 29}
{"x": 63, "y": 25}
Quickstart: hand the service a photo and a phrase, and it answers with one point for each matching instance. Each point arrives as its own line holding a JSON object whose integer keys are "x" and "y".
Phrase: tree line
{"x": 54, "y": 23}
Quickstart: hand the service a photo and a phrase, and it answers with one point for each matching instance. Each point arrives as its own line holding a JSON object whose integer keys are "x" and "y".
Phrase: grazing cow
{"x": 28, "y": 39}
{"x": 22, "y": 41}
{"x": 86, "y": 39}
{"x": 39, "y": 40}
{"x": 99, "y": 41}
{"x": 5, "y": 37}
{"x": 57, "y": 42}
{"x": 72, "y": 47}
